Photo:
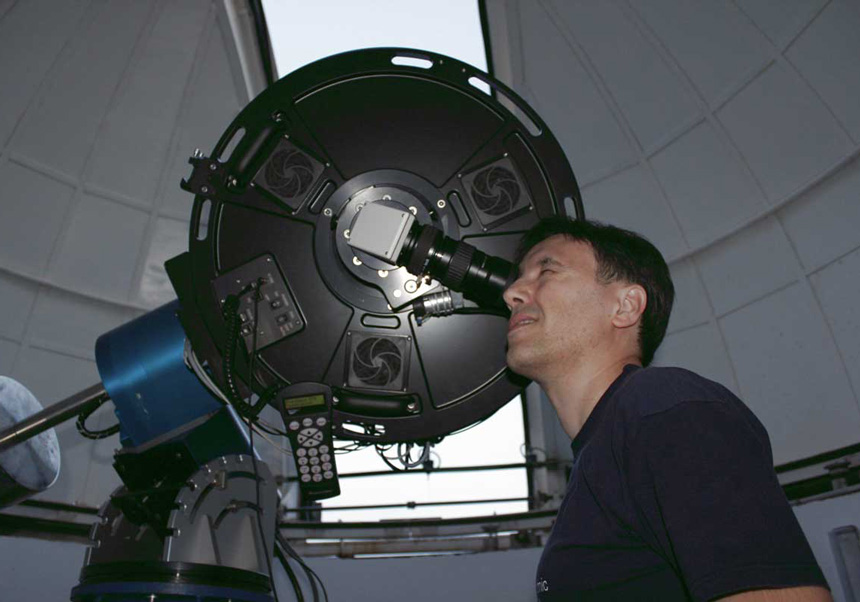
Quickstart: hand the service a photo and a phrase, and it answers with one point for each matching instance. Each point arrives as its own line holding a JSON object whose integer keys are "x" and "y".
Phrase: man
{"x": 672, "y": 494}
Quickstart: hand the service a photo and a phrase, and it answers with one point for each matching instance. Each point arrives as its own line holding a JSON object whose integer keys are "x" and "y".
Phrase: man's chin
{"x": 519, "y": 364}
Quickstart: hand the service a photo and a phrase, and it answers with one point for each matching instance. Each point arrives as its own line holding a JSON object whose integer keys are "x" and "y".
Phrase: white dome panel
{"x": 648, "y": 92}
{"x": 52, "y": 376}
{"x": 791, "y": 375}
{"x": 8, "y": 352}
{"x": 33, "y": 217}
{"x": 780, "y": 20}
{"x": 838, "y": 288}
{"x": 747, "y": 266}
{"x": 36, "y": 30}
{"x": 16, "y": 301}
{"x": 631, "y": 199}
{"x": 784, "y": 131}
{"x": 138, "y": 128}
{"x": 169, "y": 239}
{"x": 701, "y": 350}
{"x": 825, "y": 222}
{"x": 706, "y": 185}
{"x": 65, "y": 321}
{"x": 691, "y": 307}
{"x": 212, "y": 99}
{"x": 60, "y": 128}
{"x": 832, "y": 40}
{"x": 575, "y": 111}
{"x": 100, "y": 248}
{"x": 713, "y": 42}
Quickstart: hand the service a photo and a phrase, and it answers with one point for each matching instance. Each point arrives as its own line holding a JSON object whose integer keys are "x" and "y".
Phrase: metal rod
{"x": 386, "y": 473}
{"x": 51, "y": 416}
{"x": 410, "y": 504}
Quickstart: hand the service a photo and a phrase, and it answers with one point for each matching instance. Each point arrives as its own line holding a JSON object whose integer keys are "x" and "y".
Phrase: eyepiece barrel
{"x": 458, "y": 265}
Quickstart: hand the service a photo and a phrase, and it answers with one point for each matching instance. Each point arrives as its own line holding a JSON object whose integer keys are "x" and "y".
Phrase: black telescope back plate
{"x": 305, "y": 156}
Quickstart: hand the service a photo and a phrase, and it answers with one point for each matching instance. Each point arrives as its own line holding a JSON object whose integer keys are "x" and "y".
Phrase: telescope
{"x": 351, "y": 235}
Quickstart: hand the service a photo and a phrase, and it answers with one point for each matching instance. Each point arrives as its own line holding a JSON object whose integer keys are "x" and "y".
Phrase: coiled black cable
{"x": 81, "y": 423}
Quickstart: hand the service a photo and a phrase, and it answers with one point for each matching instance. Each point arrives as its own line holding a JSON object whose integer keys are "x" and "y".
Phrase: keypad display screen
{"x": 306, "y": 401}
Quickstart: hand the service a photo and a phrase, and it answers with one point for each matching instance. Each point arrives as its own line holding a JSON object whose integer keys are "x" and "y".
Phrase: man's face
{"x": 559, "y": 309}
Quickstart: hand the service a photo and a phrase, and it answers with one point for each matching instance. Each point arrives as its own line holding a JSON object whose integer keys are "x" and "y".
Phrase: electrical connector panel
{"x": 278, "y": 313}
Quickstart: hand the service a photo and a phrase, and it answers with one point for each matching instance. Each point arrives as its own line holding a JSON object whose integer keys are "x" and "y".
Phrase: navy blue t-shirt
{"x": 672, "y": 496}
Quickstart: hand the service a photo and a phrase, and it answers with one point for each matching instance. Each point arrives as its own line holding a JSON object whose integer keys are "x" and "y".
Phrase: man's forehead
{"x": 558, "y": 247}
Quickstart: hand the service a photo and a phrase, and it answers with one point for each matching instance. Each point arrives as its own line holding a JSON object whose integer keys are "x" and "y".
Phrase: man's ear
{"x": 632, "y": 299}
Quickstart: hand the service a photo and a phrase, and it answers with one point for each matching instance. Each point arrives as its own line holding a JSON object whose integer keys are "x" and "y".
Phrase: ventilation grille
{"x": 496, "y": 191}
{"x": 378, "y": 362}
{"x": 288, "y": 174}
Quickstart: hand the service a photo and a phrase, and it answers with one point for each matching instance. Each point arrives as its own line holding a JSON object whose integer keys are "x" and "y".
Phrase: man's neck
{"x": 575, "y": 392}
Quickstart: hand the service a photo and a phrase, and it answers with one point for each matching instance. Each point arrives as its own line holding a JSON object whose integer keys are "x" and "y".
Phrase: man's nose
{"x": 515, "y": 294}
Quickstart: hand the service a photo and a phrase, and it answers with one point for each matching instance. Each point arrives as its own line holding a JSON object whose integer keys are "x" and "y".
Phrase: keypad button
{"x": 315, "y": 469}
{"x": 326, "y": 465}
{"x": 294, "y": 425}
{"x": 307, "y": 422}
{"x": 302, "y": 461}
{"x": 321, "y": 421}
{"x": 312, "y": 452}
{"x": 301, "y": 452}
{"x": 304, "y": 469}
{"x": 301, "y": 439}
{"x": 315, "y": 461}
{"x": 323, "y": 449}
{"x": 318, "y": 436}
{"x": 306, "y": 478}
{"x": 328, "y": 474}
{"x": 325, "y": 457}
{"x": 317, "y": 478}
{"x": 312, "y": 443}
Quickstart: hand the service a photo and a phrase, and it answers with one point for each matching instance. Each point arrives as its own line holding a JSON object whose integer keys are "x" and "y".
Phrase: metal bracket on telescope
{"x": 380, "y": 231}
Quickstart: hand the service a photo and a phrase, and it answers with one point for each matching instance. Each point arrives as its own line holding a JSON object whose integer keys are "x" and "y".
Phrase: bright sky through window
{"x": 301, "y": 33}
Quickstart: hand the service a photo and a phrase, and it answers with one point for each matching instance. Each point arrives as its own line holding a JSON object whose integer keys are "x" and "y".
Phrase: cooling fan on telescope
{"x": 378, "y": 362}
{"x": 497, "y": 192}
{"x": 288, "y": 174}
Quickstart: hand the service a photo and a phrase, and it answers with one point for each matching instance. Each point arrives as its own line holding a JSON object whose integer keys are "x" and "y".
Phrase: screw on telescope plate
{"x": 411, "y": 286}
{"x": 397, "y": 293}
{"x": 327, "y": 212}
{"x": 359, "y": 207}
{"x": 386, "y": 197}
{"x": 414, "y": 210}
{"x": 412, "y": 407}
{"x": 356, "y": 261}
{"x": 440, "y": 203}
{"x": 213, "y": 166}
{"x": 335, "y": 401}
{"x": 346, "y": 234}
{"x": 382, "y": 273}
{"x": 204, "y": 189}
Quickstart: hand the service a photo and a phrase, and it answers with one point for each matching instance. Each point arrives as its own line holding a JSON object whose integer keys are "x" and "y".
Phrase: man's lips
{"x": 520, "y": 320}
